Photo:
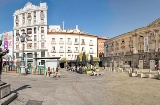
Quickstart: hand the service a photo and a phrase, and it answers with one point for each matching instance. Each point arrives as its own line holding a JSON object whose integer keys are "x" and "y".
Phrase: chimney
{"x": 76, "y": 27}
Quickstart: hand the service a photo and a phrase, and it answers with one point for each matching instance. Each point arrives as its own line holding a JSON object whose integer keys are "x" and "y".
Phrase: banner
{"x": 146, "y": 44}
{"x": 5, "y": 44}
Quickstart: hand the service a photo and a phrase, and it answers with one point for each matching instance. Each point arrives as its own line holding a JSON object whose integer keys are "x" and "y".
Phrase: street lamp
{"x": 23, "y": 39}
{"x": 132, "y": 58}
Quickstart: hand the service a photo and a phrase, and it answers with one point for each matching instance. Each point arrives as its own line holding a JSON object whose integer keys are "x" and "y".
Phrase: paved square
{"x": 112, "y": 88}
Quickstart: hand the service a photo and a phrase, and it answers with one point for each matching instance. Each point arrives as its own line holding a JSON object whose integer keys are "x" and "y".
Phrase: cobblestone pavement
{"x": 112, "y": 88}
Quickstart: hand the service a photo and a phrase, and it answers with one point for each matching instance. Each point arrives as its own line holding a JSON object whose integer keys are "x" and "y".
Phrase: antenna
{"x": 63, "y": 24}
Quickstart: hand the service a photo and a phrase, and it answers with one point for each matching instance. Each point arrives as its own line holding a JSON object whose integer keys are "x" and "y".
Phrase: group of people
{"x": 77, "y": 69}
{"x": 54, "y": 73}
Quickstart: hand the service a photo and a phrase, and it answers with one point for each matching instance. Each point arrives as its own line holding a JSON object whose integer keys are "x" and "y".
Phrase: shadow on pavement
{"x": 20, "y": 88}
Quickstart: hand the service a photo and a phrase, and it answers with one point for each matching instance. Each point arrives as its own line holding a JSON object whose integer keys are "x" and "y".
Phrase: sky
{"x": 107, "y": 18}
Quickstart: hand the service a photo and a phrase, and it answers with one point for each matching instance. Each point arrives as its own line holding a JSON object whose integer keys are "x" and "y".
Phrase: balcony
{"x": 17, "y": 43}
{"x": 76, "y": 51}
{"x": 53, "y": 42}
{"x": 53, "y": 51}
{"x": 29, "y": 47}
{"x": 17, "y": 20}
{"x": 42, "y": 16}
{"x": 17, "y": 48}
{"x": 61, "y": 42}
{"x": 83, "y": 43}
{"x": 43, "y": 47}
{"x": 69, "y": 43}
{"x": 43, "y": 40}
{"x": 61, "y": 51}
{"x": 69, "y": 51}
{"x": 76, "y": 43}
{"x": 91, "y": 51}
{"x": 91, "y": 43}
{"x": 83, "y": 50}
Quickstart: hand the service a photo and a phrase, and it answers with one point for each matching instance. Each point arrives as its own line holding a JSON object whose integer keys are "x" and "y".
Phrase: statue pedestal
{"x": 4, "y": 89}
{"x": 6, "y": 96}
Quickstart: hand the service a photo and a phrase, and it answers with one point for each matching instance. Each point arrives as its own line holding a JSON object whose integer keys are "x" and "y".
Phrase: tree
{"x": 91, "y": 59}
{"x": 80, "y": 56}
{"x": 84, "y": 59}
{"x": 77, "y": 60}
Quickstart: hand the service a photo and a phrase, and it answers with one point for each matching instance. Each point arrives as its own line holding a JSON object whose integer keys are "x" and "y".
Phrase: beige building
{"x": 69, "y": 43}
{"x": 137, "y": 48}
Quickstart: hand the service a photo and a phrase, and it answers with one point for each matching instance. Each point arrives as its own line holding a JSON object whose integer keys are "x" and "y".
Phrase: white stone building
{"x": 31, "y": 20}
{"x": 69, "y": 43}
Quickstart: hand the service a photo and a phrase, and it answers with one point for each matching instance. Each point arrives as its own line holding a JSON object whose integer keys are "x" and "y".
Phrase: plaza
{"x": 112, "y": 88}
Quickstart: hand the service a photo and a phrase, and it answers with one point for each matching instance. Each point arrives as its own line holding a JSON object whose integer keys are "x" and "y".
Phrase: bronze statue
{"x": 2, "y": 53}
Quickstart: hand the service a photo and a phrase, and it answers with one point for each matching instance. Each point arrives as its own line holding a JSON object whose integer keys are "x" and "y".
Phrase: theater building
{"x": 137, "y": 48}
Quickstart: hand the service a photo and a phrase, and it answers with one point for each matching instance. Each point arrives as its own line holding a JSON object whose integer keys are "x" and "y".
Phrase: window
{"x": 29, "y": 45}
{"x": 29, "y": 55}
{"x": 42, "y": 62}
{"x": 42, "y": 53}
{"x": 35, "y": 30}
{"x": 61, "y": 55}
{"x": 42, "y": 29}
{"x": 42, "y": 36}
{"x": 76, "y": 40}
{"x": 69, "y": 39}
{"x": 29, "y": 15}
{"x": 29, "y": 30}
{"x": 69, "y": 49}
{"x": 53, "y": 47}
{"x": 17, "y": 55}
{"x": 53, "y": 39}
{"x": 61, "y": 48}
{"x": 35, "y": 38}
{"x": 82, "y": 40}
{"x": 42, "y": 21}
{"x": 35, "y": 45}
{"x": 42, "y": 45}
{"x": 76, "y": 48}
{"x": 61, "y": 39}
{"x": 34, "y": 13}
{"x": 82, "y": 48}
{"x": 17, "y": 46}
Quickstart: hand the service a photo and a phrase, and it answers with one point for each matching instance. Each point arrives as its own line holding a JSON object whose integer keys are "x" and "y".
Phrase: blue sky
{"x": 98, "y": 17}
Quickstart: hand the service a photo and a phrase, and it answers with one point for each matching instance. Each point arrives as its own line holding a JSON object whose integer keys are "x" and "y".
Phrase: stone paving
{"x": 112, "y": 88}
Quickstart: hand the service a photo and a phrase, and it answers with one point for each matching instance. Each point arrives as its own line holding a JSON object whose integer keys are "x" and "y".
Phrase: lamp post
{"x": 23, "y": 39}
{"x": 132, "y": 58}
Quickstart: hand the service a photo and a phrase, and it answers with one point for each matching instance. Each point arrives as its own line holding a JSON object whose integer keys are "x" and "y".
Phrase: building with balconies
{"x": 31, "y": 20}
{"x": 137, "y": 48}
{"x": 69, "y": 43}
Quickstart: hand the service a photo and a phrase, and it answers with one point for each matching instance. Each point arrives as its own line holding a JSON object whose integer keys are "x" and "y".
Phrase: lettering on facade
{"x": 146, "y": 44}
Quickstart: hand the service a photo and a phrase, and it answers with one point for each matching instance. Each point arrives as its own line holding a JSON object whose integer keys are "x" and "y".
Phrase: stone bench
{"x": 148, "y": 75}
{"x": 141, "y": 75}
{"x": 156, "y": 76}
{"x": 133, "y": 75}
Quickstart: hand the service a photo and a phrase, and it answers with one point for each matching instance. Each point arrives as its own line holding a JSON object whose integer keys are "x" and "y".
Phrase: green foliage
{"x": 63, "y": 59}
{"x": 96, "y": 58}
{"x": 80, "y": 56}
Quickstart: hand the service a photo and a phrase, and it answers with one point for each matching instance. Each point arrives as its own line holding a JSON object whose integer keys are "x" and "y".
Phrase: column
{"x": 134, "y": 43}
{"x": 157, "y": 37}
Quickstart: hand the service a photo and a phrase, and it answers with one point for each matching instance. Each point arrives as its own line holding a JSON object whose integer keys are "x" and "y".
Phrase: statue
{"x": 2, "y": 53}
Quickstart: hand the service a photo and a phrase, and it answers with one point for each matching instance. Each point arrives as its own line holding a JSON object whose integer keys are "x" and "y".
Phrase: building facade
{"x": 100, "y": 48}
{"x": 7, "y": 43}
{"x": 69, "y": 43}
{"x": 137, "y": 48}
{"x": 31, "y": 20}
